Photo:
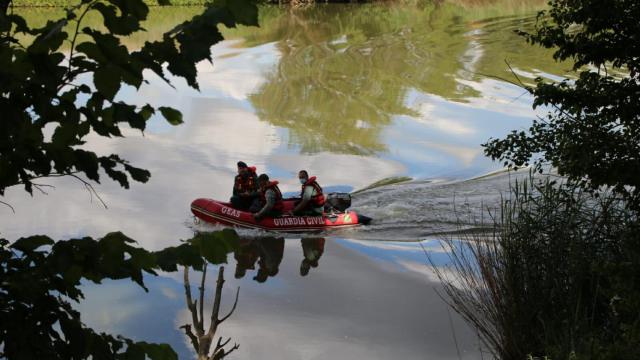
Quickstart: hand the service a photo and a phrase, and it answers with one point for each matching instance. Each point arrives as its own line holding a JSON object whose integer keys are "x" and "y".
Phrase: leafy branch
{"x": 40, "y": 84}
{"x": 590, "y": 133}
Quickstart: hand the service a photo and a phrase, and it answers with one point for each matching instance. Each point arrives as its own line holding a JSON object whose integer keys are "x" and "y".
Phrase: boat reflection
{"x": 264, "y": 254}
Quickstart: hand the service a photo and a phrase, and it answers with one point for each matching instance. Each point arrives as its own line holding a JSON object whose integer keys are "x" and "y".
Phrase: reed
{"x": 556, "y": 275}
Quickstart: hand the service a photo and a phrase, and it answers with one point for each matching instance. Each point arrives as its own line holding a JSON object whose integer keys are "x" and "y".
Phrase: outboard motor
{"x": 338, "y": 201}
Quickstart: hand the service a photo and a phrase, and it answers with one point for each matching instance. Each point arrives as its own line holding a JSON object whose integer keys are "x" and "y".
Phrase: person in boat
{"x": 270, "y": 198}
{"x": 311, "y": 197}
{"x": 245, "y": 187}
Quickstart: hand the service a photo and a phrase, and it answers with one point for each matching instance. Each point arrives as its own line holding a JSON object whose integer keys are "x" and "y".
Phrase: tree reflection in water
{"x": 267, "y": 253}
{"x": 344, "y": 73}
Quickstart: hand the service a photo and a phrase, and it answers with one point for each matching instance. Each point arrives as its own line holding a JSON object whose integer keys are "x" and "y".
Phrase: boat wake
{"x": 421, "y": 209}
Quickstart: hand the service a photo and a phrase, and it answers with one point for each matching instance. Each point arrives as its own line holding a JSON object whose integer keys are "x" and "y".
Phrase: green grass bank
{"x": 485, "y": 4}
{"x": 58, "y": 3}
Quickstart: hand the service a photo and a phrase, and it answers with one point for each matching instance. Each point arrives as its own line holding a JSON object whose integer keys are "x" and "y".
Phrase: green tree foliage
{"x": 48, "y": 108}
{"x": 592, "y": 132}
{"x": 40, "y": 70}
{"x": 40, "y": 278}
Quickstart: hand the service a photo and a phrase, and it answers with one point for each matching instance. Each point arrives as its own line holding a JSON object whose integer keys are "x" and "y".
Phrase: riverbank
{"x": 60, "y": 3}
{"x": 463, "y": 3}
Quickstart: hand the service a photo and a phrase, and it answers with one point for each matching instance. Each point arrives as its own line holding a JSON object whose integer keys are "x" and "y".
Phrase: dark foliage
{"x": 40, "y": 85}
{"x": 592, "y": 132}
{"x": 40, "y": 278}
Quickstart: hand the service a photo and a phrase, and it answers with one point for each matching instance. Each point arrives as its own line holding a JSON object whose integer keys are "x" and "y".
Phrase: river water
{"x": 354, "y": 94}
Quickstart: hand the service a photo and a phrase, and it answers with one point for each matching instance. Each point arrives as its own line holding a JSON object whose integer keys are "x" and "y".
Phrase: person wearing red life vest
{"x": 245, "y": 187}
{"x": 270, "y": 198}
{"x": 311, "y": 197}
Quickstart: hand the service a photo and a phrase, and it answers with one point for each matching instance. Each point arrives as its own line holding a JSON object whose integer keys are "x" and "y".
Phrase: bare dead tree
{"x": 201, "y": 340}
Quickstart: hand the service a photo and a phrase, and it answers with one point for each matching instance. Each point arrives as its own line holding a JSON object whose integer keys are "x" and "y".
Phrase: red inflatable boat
{"x": 218, "y": 212}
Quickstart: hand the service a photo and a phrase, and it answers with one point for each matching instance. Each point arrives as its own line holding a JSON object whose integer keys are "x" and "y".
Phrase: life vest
{"x": 318, "y": 199}
{"x": 246, "y": 185}
{"x": 279, "y": 205}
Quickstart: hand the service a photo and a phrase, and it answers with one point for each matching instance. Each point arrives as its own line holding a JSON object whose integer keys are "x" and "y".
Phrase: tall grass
{"x": 557, "y": 275}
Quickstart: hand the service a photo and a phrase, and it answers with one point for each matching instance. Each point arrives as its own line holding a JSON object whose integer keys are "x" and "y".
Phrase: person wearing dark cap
{"x": 270, "y": 198}
{"x": 245, "y": 187}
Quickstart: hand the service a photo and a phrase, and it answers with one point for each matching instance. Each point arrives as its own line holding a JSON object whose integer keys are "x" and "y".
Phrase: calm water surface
{"x": 353, "y": 93}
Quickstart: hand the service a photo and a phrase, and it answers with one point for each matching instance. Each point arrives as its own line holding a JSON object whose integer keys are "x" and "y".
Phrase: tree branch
{"x": 235, "y": 347}
{"x": 514, "y": 74}
{"x": 190, "y": 305}
{"x": 8, "y": 205}
{"x": 75, "y": 37}
{"x": 222, "y": 344}
{"x": 92, "y": 191}
{"x": 235, "y": 303}
{"x": 192, "y": 337}
{"x": 204, "y": 276}
{"x": 40, "y": 186}
{"x": 221, "y": 353}
{"x": 216, "y": 303}
{"x": 499, "y": 78}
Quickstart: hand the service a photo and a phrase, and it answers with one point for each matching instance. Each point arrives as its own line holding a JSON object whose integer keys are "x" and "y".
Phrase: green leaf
{"x": 87, "y": 162}
{"x": 65, "y": 134}
{"x": 135, "y": 8}
{"x": 120, "y": 25}
{"x": 29, "y": 244}
{"x": 146, "y": 112}
{"x": 244, "y": 12}
{"x": 92, "y": 51}
{"x": 107, "y": 81}
{"x": 116, "y": 175}
{"x": 185, "y": 254}
{"x": 158, "y": 351}
{"x": 137, "y": 174}
{"x": 143, "y": 259}
{"x": 73, "y": 274}
{"x": 173, "y": 116}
